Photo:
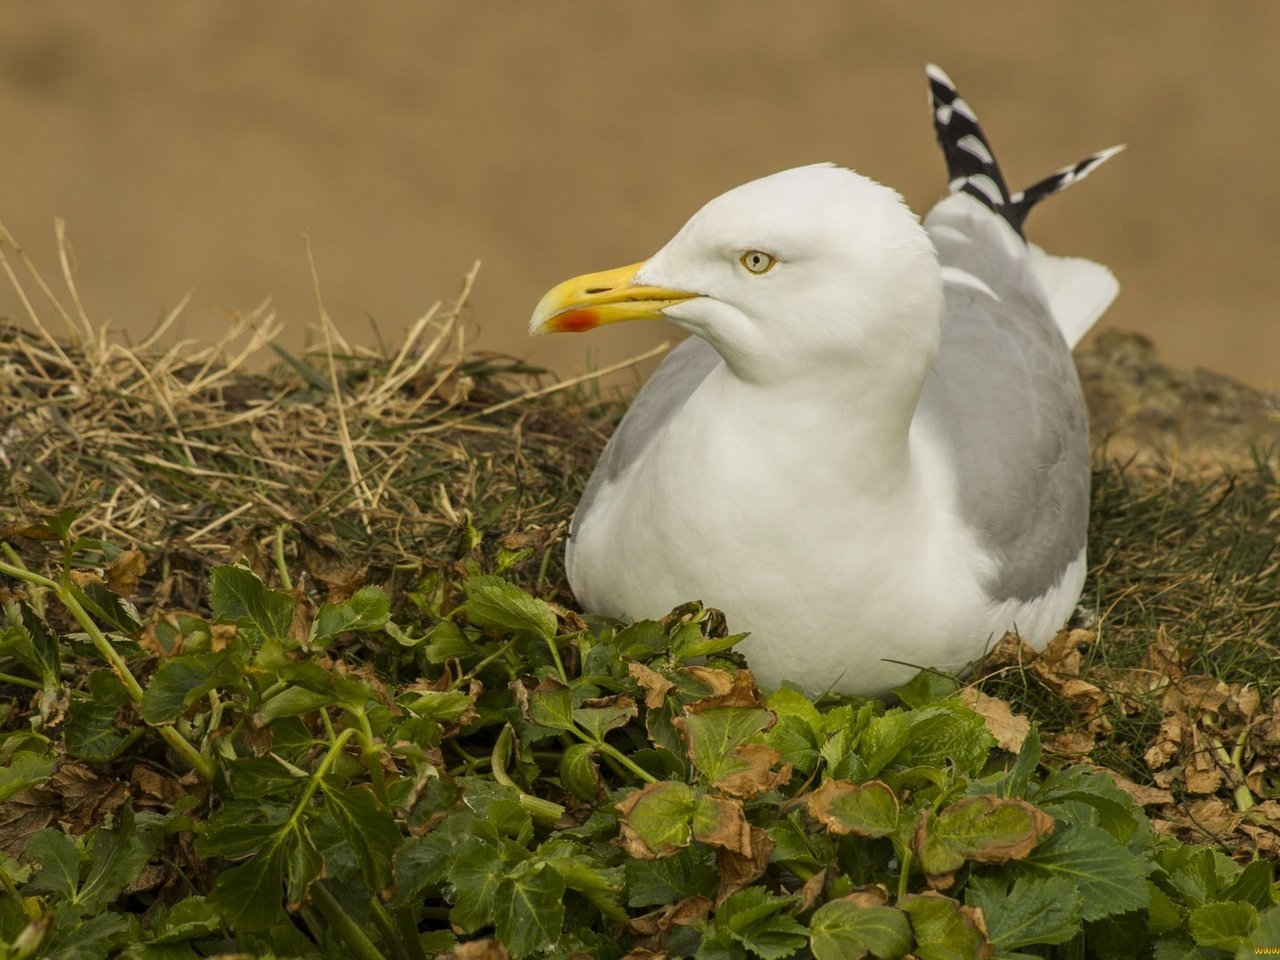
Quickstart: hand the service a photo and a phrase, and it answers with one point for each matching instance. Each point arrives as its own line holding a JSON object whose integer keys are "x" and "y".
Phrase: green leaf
{"x": 755, "y": 918}
{"x": 236, "y": 595}
{"x": 551, "y": 706}
{"x": 926, "y": 687}
{"x": 23, "y": 770}
{"x": 1253, "y": 885}
{"x": 303, "y": 866}
{"x": 578, "y": 772}
{"x": 474, "y": 875}
{"x": 688, "y": 643}
{"x": 248, "y": 896}
{"x": 944, "y": 734}
{"x": 599, "y": 720}
{"x": 230, "y": 833}
{"x": 109, "y": 608}
{"x": 116, "y": 859}
{"x": 30, "y": 642}
{"x": 368, "y": 827}
{"x": 91, "y": 732}
{"x": 1266, "y": 934}
{"x": 189, "y": 918}
{"x": 446, "y": 706}
{"x": 368, "y": 609}
{"x": 1033, "y": 912}
{"x": 180, "y": 681}
{"x": 529, "y": 908}
{"x": 943, "y": 929}
{"x": 59, "y": 863}
{"x": 844, "y": 930}
{"x": 1110, "y": 879}
{"x": 686, "y": 873}
{"x": 600, "y": 886}
{"x": 495, "y": 604}
{"x": 985, "y": 828}
{"x": 292, "y": 702}
{"x": 1225, "y": 926}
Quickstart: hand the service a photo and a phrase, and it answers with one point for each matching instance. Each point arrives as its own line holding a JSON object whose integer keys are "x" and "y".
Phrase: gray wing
{"x": 675, "y": 380}
{"x": 1003, "y": 393}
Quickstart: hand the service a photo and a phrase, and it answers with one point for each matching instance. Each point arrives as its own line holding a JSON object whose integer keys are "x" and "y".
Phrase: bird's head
{"x": 787, "y": 276}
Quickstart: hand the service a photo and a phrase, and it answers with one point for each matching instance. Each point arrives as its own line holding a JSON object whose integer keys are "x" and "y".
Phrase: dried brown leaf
{"x": 655, "y": 685}
{"x": 123, "y": 575}
{"x": 737, "y": 871}
{"x": 1009, "y": 729}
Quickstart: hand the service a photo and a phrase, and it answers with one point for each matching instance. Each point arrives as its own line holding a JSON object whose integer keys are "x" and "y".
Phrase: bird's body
{"x": 873, "y": 453}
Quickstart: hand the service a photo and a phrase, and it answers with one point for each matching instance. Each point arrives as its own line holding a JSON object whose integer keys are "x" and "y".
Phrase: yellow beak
{"x": 594, "y": 299}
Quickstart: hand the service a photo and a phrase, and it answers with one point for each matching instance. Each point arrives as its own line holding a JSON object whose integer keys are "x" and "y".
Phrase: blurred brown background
{"x": 190, "y": 145}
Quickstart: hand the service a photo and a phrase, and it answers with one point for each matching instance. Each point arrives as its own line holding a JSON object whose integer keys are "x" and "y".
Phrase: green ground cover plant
{"x": 288, "y": 668}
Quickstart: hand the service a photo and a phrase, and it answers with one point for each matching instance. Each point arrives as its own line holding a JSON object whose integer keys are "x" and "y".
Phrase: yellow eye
{"x": 757, "y": 261}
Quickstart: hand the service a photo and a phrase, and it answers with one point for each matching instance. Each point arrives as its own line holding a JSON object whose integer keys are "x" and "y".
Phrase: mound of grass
{"x": 290, "y": 669}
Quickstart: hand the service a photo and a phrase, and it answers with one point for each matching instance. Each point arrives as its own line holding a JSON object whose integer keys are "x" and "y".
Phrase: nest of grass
{"x": 359, "y": 466}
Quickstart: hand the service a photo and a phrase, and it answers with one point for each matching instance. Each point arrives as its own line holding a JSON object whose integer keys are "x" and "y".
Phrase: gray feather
{"x": 1004, "y": 396}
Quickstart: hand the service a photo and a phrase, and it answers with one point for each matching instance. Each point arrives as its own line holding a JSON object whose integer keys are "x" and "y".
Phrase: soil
{"x": 191, "y": 145}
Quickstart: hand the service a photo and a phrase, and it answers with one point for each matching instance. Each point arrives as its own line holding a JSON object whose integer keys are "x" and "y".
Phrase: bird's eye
{"x": 757, "y": 261}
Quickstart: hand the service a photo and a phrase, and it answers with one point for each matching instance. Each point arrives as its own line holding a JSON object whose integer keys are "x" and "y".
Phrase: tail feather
{"x": 971, "y": 162}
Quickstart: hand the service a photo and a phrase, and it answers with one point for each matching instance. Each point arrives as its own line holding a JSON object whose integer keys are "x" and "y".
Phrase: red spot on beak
{"x": 575, "y": 321}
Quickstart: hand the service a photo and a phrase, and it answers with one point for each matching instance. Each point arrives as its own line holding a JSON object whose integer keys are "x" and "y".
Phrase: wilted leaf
{"x": 721, "y": 822}
{"x": 737, "y": 871}
{"x": 713, "y": 736}
{"x": 656, "y": 819}
{"x": 845, "y": 929}
{"x": 985, "y": 829}
{"x": 867, "y": 809}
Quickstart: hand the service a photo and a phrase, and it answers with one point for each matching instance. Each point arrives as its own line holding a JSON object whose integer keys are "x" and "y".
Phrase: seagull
{"x": 872, "y": 454}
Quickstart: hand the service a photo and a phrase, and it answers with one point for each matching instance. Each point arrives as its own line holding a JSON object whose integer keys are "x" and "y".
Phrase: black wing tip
{"x": 971, "y": 161}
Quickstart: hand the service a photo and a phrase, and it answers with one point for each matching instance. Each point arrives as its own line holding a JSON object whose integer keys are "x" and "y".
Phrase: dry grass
{"x": 356, "y": 465}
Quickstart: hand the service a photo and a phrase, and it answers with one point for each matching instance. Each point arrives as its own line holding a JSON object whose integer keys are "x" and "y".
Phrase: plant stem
{"x": 340, "y": 922}
{"x": 281, "y": 569}
{"x": 198, "y": 761}
{"x": 623, "y": 759}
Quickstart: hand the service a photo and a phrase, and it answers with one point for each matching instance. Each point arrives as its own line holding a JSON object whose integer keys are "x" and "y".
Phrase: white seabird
{"x": 873, "y": 452}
